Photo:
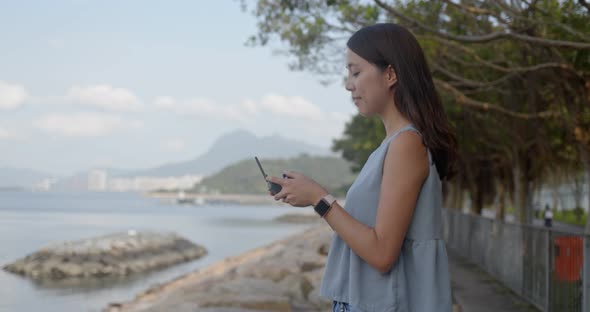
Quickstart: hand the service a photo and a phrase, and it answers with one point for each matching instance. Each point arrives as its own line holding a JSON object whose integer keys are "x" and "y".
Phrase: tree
{"x": 514, "y": 77}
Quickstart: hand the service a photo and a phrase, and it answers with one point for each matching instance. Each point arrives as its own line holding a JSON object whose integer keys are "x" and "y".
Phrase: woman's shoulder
{"x": 408, "y": 143}
{"x": 407, "y": 150}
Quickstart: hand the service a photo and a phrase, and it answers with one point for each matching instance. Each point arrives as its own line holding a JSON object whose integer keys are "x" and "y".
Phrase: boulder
{"x": 116, "y": 254}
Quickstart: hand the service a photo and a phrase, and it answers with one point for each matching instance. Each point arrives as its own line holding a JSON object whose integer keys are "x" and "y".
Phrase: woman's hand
{"x": 298, "y": 190}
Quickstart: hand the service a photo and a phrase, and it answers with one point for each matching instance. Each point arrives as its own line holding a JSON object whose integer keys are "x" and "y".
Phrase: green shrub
{"x": 576, "y": 216}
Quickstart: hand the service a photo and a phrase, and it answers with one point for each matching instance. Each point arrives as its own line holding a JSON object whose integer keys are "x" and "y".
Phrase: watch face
{"x": 322, "y": 207}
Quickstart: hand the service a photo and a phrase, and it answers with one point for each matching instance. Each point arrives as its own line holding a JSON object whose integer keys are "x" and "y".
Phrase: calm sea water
{"x": 29, "y": 221}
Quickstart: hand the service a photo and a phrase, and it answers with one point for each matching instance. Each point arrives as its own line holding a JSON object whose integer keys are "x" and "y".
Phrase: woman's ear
{"x": 390, "y": 76}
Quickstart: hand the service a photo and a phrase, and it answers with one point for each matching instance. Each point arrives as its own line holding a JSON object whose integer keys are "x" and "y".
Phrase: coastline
{"x": 282, "y": 276}
{"x": 239, "y": 199}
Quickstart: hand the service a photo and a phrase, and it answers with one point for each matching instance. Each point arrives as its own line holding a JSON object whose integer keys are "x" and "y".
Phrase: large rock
{"x": 117, "y": 254}
{"x": 283, "y": 276}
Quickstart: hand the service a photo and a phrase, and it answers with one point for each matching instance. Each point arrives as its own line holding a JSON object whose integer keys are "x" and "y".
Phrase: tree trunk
{"x": 586, "y": 161}
{"x": 556, "y": 197}
{"x": 458, "y": 198}
{"x": 501, "y": 208}
{"x": 528, "y": 205}
{"x": 517, "y": 190}
{"x": 477, "y": 200}
{"x": 578, "y": 190}
{"x": 448, "y": 195}
{"x": 522, "y": 193}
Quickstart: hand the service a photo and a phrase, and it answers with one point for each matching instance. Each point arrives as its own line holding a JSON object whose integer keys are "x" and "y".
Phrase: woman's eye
{"x": 355, "y": 74}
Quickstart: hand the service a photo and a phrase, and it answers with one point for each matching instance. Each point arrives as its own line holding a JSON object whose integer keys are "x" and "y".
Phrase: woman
{"x": 387, "y": 252}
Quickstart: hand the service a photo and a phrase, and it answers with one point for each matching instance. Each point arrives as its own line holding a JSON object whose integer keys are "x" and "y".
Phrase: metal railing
{"x": 549, "y": 268}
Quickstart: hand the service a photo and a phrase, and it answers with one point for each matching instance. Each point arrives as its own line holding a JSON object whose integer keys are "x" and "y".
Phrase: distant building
{"x": 147, "y": 183}
{"x": 44, "y": 185}
{"x": 120, "y": 184}
{"x": 97, "y": 180}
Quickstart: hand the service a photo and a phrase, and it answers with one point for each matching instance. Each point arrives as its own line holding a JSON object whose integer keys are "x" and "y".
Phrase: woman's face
{"x": 370, "y": 87}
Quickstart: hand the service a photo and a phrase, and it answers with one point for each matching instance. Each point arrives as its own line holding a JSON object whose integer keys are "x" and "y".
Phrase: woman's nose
{"x": 348, "y": 85}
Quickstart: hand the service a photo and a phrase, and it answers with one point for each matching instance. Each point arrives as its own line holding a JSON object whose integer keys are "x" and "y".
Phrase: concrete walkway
{"x": 474, "y": 290}
{"x": 561, "y": 227}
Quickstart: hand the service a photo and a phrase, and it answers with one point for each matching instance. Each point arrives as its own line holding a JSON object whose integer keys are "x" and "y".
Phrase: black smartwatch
{"x": 324, "y": 205}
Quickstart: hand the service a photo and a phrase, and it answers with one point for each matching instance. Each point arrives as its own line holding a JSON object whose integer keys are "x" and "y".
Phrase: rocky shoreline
{"x": 199, "y": 199}
{"x": 118, "y": 254}
{"x": 282, "y": 276}
{"x": 299, "y": 218}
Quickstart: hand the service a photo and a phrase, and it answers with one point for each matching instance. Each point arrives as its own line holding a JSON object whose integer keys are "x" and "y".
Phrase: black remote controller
{"x": 274, "y": 188}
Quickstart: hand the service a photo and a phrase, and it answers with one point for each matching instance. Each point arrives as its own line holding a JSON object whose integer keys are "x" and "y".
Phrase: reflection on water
{"x": 84, "y": 285}
{"x": 244, "y": 222}
{"x": 29, "y": 221}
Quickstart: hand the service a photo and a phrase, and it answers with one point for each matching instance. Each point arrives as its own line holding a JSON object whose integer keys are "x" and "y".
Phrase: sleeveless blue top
{"x": 419, "y": 279}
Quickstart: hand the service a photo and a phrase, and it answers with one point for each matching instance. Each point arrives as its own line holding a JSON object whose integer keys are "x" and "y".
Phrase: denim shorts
{"x": 340, "y": 307}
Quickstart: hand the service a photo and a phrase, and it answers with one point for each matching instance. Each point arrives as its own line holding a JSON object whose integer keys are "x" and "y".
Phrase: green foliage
{"x": 312, "y": 30}
{"x": 575, "y": 216}
{"x": 510, "y": 210}
{"x": 497, "y": 91}
{"x": 244, "y": 177}
{"x": 361, "y": 137}
{"x": 566, "y": 296}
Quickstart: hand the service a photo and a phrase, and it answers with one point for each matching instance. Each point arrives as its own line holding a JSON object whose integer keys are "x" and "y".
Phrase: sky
{"x": 134, "y": 84}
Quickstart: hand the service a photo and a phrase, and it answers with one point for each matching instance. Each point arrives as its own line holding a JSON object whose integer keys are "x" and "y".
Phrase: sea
{"x": 33, "y": 220}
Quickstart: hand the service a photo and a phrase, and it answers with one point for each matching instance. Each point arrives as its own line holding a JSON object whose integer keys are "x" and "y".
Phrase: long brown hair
{"x": 414, "y": 93}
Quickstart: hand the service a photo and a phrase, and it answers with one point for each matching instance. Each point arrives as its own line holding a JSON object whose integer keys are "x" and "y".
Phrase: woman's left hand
{"x": 298, "y": 190}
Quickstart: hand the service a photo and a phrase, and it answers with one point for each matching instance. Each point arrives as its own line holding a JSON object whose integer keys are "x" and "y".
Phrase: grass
{"x": 510, "y": 210}
{"x": 576, "y": 216}
{"x": 571, "y": 218}
{"x": 567, "y": 296}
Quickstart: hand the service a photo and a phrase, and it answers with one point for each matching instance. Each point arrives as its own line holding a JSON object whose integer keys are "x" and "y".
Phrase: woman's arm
{"x": 405, "y": 169}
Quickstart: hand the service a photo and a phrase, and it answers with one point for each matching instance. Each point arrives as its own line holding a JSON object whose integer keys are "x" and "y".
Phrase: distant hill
{"x": 233, "y": 147}
{"x": 21, "y": 178}
{"x": 226, "y": 150}
{"x": 244, "y": 177}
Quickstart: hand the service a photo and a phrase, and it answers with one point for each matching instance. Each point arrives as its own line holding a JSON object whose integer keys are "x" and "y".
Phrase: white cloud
{"x": 11, "y": 95}
{"x": 164, "y": 102}
{"x": 339, "y": 117}
{"x": 297, "y": 116}
{"x": 207, "y": 108}
{"x": 175, "y": 144}
{"x": 291, "y": 106}
{"x": 84, "y": 124}
{"x": 201, "y": 108}
{"x": 6, "y": 134}
{"x": 250, "y": 107}
{"x": 332, "y": 127}
{"x": 105, "y": 97}
{"x": 282, "y": 106}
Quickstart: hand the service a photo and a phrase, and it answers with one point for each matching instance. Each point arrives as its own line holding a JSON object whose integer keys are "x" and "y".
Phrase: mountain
{"x": 244, "y": 177}
{"x": 21, "y": 177}
{"x": 233, "y": 147}
{"x": 226, "y": 150}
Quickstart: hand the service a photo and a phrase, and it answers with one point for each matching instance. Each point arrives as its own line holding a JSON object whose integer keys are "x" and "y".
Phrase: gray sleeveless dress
{"x": 419, "y": 279}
